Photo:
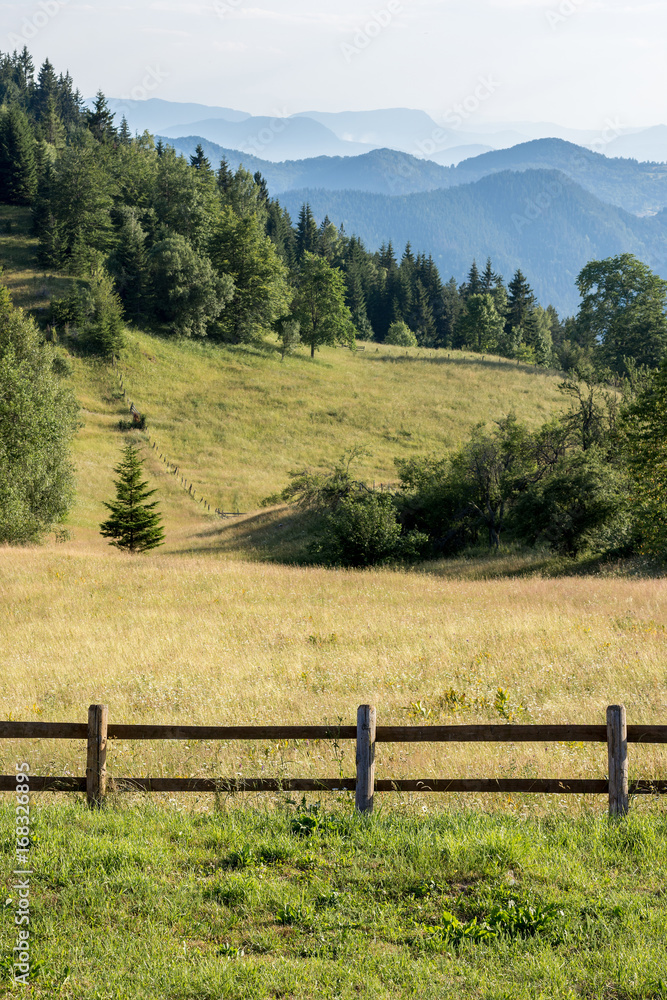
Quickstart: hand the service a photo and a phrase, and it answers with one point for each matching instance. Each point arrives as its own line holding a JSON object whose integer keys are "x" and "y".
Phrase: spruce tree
{"x": 128, "y": 264}
{"x": 199, "y": 161}
{"x": 100, "y": 119}
{"x": 18, "y": 171}
{"x": 134, "y": 525}
{"x": 225, "y": 176}
{"x": 520, "y": 303}
{"x": 473, "y": 284}
{"x": 489, "y": 277}
{"x": 124, "y": 134}
{"x": 307, "y": 234}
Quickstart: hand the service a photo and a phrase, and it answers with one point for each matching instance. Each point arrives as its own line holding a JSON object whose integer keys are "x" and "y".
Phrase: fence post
{"x": 617, "y": 750}
{"x": 365, "y": 758}
{"x": 96, "y": 766}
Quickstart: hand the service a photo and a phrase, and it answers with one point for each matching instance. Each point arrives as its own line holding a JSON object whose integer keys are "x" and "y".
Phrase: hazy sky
{"x": 574, "y": 62}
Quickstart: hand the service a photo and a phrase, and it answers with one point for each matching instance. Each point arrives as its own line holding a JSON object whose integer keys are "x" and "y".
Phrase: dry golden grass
{"x": 199, "y": 640}
{"x": 185, "y": 635}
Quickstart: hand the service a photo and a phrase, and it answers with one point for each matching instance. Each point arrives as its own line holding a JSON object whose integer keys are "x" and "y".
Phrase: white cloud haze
{"x": 576, "y": 62}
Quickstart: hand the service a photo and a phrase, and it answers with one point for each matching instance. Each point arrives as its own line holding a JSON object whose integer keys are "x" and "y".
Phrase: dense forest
{"x": 186, "y": 249}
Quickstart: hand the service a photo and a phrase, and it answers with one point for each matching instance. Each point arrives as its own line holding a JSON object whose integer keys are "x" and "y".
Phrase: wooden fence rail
{"x": 98, "y": 731}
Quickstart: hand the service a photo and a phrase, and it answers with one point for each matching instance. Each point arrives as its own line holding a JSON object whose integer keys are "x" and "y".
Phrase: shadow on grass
{"x": 276, "y": 535}
{"x": 281, "y": 535}
{"x": 465, "y": 361}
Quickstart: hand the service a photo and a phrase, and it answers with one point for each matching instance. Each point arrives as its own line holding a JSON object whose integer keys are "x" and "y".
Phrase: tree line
{"x": 181, "y": 247}
{"x": 188, "y": 250}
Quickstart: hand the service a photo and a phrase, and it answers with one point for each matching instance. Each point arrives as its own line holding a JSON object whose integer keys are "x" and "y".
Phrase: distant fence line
{"x": 173, "y": 469}
{"x": 97, "y": 732}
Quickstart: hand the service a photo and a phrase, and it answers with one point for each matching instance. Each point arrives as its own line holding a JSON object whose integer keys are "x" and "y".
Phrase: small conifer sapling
{"x": 134, "y": 525}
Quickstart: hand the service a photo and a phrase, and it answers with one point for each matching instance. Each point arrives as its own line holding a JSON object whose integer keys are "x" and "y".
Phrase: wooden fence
{"x": 98, "y": 731}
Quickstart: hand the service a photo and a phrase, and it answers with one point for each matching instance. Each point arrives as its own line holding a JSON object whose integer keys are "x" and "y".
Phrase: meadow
{"x": 260, "y": 896}
{"x": 194, "y": 638}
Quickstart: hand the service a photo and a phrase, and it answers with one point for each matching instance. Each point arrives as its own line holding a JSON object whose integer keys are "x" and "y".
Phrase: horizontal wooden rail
{"x": 508, "y": 733}
{"x": 120, "y": 731}
{"x": 556, "y": 786}
{"x": 97, "y": 732}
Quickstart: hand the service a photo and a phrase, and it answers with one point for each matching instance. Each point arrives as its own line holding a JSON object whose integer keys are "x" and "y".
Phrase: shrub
{"x": 400, "y": 335}
{"x": 364, "y": 530}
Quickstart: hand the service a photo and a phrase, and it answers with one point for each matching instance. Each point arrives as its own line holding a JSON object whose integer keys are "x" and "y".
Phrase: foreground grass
{"x": 255, "y": 904}
{"x": 194, "y": 639}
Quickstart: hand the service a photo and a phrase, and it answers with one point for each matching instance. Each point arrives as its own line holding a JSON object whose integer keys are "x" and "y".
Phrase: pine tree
{"x": 128, "y": 264}
{"x": 306, "y": 233}
{"x": 104, "y": 333}
{"x": 26, "y": 69}
{"x": 18, "y": 171}
{"x": 520, "y": 303}
{"x": 262, "y": 185}
{"x": 124, "y": 134}
{"x": 199, "y": 161}
{"x": 100, "y": 119}
{"x": 280, "y": 232}
{"x": 46, "y": 90}
{"x": 473, "y": 283}
{"x": 51, "y": 128}
{"x": 70, "y": 102}
{"x": 225, "y": 176}
{"x": 489, "y": 277}
{"x": 134, "y": 525}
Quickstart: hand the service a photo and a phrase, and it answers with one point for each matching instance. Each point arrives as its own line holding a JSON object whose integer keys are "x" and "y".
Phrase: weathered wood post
{"x": 96, "y": 765}
{"x": 617, "y": 751}
{"x": 365, "y": 758}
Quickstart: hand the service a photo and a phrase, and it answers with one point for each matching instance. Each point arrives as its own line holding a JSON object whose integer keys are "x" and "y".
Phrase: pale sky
{"x": 578, "y": 63}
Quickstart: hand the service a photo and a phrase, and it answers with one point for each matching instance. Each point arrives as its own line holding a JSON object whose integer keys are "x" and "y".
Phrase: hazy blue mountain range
{"x": 649, "y": 144}
{"x": 538, "y": 220}
{"x": 346, "y": 133}
{"x": 640, "y": 188}
{"x": 273, "y": 139}
{"x": 154, "y": 114}
{"x": 383, "y": 171}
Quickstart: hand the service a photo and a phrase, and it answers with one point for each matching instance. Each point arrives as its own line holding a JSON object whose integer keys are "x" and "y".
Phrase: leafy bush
{"x": 400, "y": 335}
{"x": 364, "y": 531}
{"x": 583, "y": 504}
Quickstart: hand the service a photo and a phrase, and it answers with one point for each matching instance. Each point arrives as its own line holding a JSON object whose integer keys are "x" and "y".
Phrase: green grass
{"x": 31, "y": 287}
{"x": 251, "y": 903}
{"x": 237, "y": 419}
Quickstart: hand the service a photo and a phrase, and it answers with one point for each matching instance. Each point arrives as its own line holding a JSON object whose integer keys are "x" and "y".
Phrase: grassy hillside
{"x": 236, "y": 419}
